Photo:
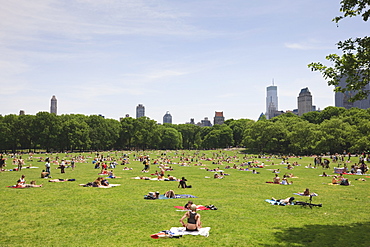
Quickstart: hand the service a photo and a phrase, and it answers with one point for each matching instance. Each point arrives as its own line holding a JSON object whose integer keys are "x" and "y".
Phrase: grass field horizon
{"x": 66, "y": 214}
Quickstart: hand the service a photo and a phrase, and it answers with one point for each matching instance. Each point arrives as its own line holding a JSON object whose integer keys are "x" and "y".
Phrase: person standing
{"x": 2, "y": 163}
{"x": 62, "y": 167}
{"x": 47, "y": 166}
{"x": 73, "y": 164}
{"x": 20, "y": 163}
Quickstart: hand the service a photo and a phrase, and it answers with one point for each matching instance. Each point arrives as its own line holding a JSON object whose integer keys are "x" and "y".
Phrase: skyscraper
{"x": 219, "y": 118}
{"x": 140, "y": 111}
{"x": 271, "y": 102}
{"x": 167, "y": 118}
{"x": 341, "y": 99}
{"x": 53, "y": 105}
{"x": 304, "y": 101}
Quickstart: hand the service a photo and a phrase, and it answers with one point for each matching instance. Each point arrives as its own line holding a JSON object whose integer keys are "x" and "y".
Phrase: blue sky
{"x": 190, "y": 58}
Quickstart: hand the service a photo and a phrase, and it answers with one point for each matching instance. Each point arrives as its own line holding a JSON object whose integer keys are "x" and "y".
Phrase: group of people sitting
{"x": 278, "y": 180}
{"x": 99, "y": 182}
{"x": 340, "y": 180}
{"x": 21, "y": 183}
{"x": 156, "y": 195}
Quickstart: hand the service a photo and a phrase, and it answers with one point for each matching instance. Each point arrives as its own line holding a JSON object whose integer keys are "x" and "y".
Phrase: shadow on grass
{"x": 324, "y": 235}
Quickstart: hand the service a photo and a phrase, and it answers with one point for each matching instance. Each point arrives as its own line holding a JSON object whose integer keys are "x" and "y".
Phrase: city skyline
{"x": 189, "y": 58}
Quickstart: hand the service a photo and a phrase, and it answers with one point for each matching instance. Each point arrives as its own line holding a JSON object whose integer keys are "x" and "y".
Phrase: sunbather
{"x": 61, "y": 180}
{"x": 286, "y": 201}
{"x": 194, "y": 223}
{"x": 169, "y": 194}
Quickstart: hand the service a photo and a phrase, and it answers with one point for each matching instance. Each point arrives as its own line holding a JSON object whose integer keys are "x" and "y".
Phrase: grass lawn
{"x": 65, "y": 214}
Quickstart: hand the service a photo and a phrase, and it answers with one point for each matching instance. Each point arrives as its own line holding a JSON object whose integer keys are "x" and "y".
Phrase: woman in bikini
{"x": 194, "y": 223}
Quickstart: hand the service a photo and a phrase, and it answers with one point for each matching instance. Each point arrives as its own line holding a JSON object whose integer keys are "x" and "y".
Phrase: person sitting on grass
{"x": 182, "y": 183}
{"x": 285, "y": 181}
{"x": 276, "y": 179}
{"x": 169, "y": 194}
{"x": 111, "y": 174}
{"x": 45, "y": 174}
{"x": 104, "y": 182}
{"x": 188, "y": 205}
{"x": 307, "y": 192}
{"x": 194, "y": 223}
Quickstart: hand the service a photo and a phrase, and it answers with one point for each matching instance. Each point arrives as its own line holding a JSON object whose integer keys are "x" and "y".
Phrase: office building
{"x": 219, "y": 118}
{"x": 167, "y": 118}
{"x": 271, "y": 101}
{"x": 53, "y": 105}
{"x": 205, "y": 123}
{"x": 342, "y": 99}
{"x": 304, "y": 101}
{"x": 140, "y": 111}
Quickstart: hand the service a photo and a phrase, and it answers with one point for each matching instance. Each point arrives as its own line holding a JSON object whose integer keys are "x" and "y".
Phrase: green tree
{"x": 8, "y": 134}
{"x": 75, "y": 133}
{"x": 104, "y": 133}
{"x": 266, "y": 136}
{"x": 190, "y": 135}
{"x": 24, "y": 131}
{"x": 127, "y": 132}
{"x": 238, "y": 127}
{"x": 170, "y": 138}
{"x": 354, "y": 64}
{"x": 143, "y": 133}
{"x": 47, "y": 132}
{"x": 337, "y": 136}
{"x": 304, "y": 138}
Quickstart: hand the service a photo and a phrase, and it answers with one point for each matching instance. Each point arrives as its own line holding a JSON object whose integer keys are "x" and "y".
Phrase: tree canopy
{"x": 333, "y": 130}
{"x": 353, "y": 65}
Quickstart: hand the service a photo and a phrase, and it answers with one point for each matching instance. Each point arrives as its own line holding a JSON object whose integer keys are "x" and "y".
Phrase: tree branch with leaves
{"x": 354, "y": 63}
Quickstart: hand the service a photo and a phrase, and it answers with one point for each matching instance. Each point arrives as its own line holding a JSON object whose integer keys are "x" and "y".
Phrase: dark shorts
{"x": 189, "y": 230}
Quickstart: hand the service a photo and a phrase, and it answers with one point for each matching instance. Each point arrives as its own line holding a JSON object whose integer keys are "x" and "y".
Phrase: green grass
{"x": 65, "y": 214}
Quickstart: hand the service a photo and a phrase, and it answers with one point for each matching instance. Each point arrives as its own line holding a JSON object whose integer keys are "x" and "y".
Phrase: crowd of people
{"x": 191, "y": 220}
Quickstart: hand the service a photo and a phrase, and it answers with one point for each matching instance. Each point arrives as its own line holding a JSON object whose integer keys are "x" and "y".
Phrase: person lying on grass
{"x": 61, "y": 180}
{"x": 194, "y": 223}
{"x": 286, "y": 201}
{"x": 24, "y": 185}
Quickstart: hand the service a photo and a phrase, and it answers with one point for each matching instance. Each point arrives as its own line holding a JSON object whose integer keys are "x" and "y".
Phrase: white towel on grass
{"x": 204, "y": 231}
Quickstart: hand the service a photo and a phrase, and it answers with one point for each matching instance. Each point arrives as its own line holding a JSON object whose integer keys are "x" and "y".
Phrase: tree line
{"x": 332, "y": 130}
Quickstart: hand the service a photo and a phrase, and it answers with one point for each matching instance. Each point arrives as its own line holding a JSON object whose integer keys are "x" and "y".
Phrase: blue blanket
{"x": 177, "y": 196}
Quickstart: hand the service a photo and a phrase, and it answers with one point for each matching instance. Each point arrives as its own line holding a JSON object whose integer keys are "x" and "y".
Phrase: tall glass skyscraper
{"x": 271, "y": 102}
{"x": 140, "y": 111}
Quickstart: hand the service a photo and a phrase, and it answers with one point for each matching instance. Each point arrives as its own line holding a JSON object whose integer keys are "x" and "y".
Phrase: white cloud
{"x": 307, "y": 45}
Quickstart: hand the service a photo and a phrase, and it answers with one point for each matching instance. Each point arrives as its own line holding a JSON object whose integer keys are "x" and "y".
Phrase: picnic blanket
{"x": 17, "y": 187}
{"x": 301, "y": 194}
{"x": 156, "y": 179}
{"x": 274, "y": 202}
{"x": 177, "y": 196}
{"x": 199, "y": 207}
{"x": 109, "y": 186}
{"x": 165, "y": 234}
{"x": 180, "y": 231}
